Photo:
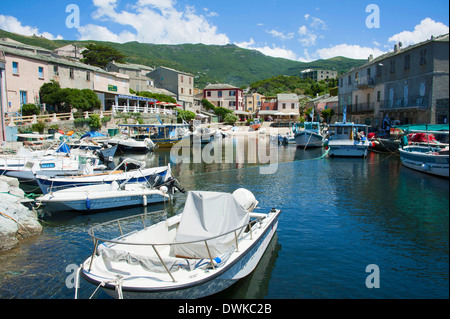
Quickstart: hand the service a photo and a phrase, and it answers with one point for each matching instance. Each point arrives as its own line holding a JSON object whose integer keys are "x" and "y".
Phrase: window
{"x": 181, "y": 79}
{"x": 55, "y": 70}
{"x": 349, "y": 80}
{"x": 190, "y": 80}
{"x": 232, "y": 93}
{"x": 190, "y": 91}
{"x": 392, "y": 66}
{"x": 219, "y": 93}
{"x": 182, "y": 91}
{"x": 423, "y": 56}
{"x": 232, "y": 103}
{"x": 208, "y": 93}
{"x": 71, "y": 73}
{"x": 41, "y": 72}
{"x": 88, "y": 76}
{"x": 407, "y": 61}
{"x": 368, "y": 72}
{"x": 378, "y": 96}
{"x": 15, "y": 67}
{"x": 283, "y": 105}
{"x": 292, "y": 105}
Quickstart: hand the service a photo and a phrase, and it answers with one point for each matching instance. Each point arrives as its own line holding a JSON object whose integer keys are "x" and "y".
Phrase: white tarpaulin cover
{"x": 205, "y": 215}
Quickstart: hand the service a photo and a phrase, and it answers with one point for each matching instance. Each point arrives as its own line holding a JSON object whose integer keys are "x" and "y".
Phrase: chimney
{"x": 395, "y": 48}
{"x": 370, "y": 58}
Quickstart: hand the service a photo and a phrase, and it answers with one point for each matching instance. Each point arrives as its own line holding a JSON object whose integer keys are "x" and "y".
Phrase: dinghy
{"x": 214, "y": 242}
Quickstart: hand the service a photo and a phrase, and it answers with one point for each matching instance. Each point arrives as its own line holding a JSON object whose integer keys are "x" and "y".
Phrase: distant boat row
{"x": 420, "y": 152}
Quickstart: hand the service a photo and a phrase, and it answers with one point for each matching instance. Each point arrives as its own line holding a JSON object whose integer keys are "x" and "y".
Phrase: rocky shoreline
{"x": 17, "y": 222}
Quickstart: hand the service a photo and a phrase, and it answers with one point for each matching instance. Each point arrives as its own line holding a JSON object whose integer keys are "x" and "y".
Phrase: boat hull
{"x": 219, "y": 281}
{"x": 46, "y": 184}
{"x": 308, "y": 139}
{"x": 93, "y": 204}
{"x": 351, "y": 149}
{"x": 414, "y": 157}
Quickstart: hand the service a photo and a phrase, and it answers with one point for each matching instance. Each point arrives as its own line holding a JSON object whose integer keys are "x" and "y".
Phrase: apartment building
{"x": 407, "y": 84}
{"x": 225, "y": 95}
{"x": 318, "y": 75}
{"x": 177, "y": 82}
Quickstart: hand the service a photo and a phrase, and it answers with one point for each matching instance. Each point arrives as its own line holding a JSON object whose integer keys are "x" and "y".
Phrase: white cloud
{"x": 272, "y": 51}
{"x": 100, "y": 33}
{"x": 309, "y": 35}
{"x": 153, "y": 21}
{"x": 349, "y": 51}
{"x": 423, "y": 31}
{"x": 11, "y": 24}
{"x": 318, "y": 23}
{"x": 280, "y": 35}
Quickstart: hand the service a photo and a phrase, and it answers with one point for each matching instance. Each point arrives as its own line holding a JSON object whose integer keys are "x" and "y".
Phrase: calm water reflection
{"x": 338, "y": 216}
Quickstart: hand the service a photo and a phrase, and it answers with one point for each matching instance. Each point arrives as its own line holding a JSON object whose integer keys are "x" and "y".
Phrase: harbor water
{"x": 349, "y": 228}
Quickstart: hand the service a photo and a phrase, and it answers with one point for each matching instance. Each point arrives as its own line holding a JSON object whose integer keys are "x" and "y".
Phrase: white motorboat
{"x": 426, "y": 159}
{"x": 309, "y": 135}
{"x": 347, "y": 139}
{"x": 154, "y": 175}
{"x": 26, "y": 165}
{"x": 214, "y": 242}
{"x": 126, "y": 143}
{"x": 102, "y": 196}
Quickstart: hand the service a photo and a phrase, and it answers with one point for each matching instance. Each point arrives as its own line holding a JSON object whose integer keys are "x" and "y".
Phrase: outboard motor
{"x": 245, "y": 198}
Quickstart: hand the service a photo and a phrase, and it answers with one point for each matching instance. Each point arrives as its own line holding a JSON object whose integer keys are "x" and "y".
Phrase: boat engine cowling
{"x": 245, "y": 198}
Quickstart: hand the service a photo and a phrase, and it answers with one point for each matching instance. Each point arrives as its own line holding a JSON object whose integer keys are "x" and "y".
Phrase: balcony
{"x": 361, "y": 108}
{"x": 419, "y": 102}
{"x": 365, "y": 82}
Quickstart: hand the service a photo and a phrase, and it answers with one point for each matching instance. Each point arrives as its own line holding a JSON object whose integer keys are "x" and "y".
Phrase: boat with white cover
{"x": 214, "y": 242}
{"x": 102, "y": 196}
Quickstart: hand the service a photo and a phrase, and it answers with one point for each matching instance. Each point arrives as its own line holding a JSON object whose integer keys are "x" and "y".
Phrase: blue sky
{"x": 294, "y": 29}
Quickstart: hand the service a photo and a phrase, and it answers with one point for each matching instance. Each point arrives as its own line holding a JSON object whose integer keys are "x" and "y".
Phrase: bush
{"x": 94, "y": 121}
{"x": 30, "y": 109}
{"x": 38, "y": 127}
{"x": 230, "y": 119}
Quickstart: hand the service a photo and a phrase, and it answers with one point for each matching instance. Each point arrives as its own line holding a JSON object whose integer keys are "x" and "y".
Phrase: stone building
{"x": 409, "y": 85}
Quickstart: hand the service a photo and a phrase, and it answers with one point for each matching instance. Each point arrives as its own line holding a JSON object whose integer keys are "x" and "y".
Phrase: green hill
{"x": 208, "y": 63}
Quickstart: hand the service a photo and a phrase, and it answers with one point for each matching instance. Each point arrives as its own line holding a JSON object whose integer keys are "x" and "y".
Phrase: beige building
{"x": 253, "y": 102}
{"x": 27, "y": 70}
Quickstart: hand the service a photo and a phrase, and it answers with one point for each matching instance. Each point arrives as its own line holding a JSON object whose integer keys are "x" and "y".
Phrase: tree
{"x": 51, "y": 94}
{"x": 208, "y": 105}
{"x": 99, "y": 55}
{"x": 186, "y": 116}
{"x": 222, "y": 112}
{"x": 65, "y": 99}
{"x": 327, "y": 114}
{"x": 157, "y": 96}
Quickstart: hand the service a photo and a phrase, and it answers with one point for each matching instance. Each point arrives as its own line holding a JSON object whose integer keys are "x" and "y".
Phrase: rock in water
{"x": 16, "y": 221}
